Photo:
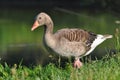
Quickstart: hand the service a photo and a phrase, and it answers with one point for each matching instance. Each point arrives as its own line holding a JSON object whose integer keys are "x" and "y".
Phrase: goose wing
{"x": 76, "y": 35}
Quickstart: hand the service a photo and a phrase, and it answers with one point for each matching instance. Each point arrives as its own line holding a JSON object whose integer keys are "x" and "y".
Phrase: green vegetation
{"x": 15, "y": 28}
{"x": 107, "y": 69}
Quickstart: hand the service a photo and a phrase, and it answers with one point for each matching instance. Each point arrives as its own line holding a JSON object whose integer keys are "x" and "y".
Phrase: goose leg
{"x": 77, "y": 63}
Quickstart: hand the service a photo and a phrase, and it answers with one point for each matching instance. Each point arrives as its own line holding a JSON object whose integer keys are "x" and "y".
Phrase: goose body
{"x": 69, "y": 42}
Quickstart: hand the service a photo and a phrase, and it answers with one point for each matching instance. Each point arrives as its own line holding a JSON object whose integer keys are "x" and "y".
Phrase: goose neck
{"x": 49, "y": 28}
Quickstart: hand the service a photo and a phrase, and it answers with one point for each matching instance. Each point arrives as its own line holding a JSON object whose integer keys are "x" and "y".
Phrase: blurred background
{"x": 19, "y": 45}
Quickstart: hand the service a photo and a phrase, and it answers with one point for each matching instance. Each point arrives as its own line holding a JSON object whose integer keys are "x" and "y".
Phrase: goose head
{"x": 41, "y": 19}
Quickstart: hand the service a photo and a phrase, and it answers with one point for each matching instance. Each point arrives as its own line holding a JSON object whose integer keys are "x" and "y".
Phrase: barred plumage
{"x": 77, "y": 35}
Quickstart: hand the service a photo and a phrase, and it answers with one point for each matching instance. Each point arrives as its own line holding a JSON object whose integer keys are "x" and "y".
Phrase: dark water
{"x": 27, "y": 54}
{"x": 33, "y": 54}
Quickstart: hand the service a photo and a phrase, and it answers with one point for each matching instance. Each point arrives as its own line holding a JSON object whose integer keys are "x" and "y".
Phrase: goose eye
{"x": 39, "y": 17}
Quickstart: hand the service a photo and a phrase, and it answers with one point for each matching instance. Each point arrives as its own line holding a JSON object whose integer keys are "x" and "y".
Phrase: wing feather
{"x": 77, "y": 35}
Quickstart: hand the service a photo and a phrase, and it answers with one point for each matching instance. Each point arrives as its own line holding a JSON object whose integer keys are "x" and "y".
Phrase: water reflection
{"x": 33, "y": 54}
{"x": 28, "y": 54}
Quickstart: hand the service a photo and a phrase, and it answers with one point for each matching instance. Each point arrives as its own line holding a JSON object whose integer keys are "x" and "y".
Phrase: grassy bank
{"x": 107, "y": 69}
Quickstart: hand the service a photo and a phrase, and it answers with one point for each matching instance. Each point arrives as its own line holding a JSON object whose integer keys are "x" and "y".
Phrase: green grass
{"x": 15, "y": 28}
{"x": 107, "y": 69}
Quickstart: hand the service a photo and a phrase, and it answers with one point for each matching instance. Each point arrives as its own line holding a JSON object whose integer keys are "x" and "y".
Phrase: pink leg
{"x": 77, "y": 63}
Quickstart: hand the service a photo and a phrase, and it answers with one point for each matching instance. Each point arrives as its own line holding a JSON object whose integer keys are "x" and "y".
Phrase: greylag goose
{"x": 68, "y": 42}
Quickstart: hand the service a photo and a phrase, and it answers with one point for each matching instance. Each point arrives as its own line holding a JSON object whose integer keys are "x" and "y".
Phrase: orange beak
{"x": 35, "y": 25}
